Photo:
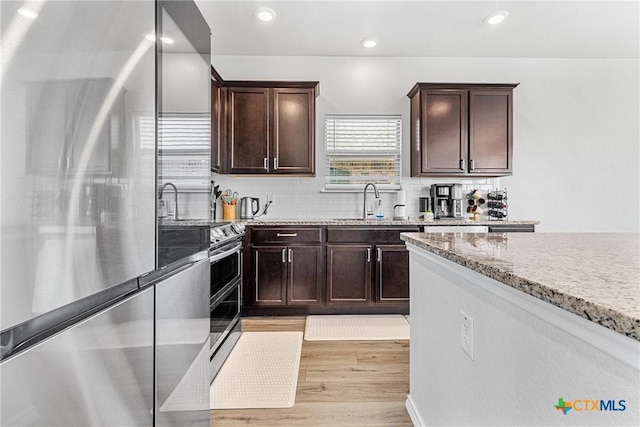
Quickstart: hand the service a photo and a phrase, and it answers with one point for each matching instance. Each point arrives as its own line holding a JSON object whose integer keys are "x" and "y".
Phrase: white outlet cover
{"x": 466, "y": 334}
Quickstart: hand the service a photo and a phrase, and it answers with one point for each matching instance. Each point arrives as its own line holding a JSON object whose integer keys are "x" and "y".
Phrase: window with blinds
{"x": 361, "y": 149}
{"x": 184, "y": 143}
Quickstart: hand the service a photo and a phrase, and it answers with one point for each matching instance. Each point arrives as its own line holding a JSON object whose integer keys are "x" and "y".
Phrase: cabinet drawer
{"x": 286, "y": 235}
{"x": 367, "y": 235}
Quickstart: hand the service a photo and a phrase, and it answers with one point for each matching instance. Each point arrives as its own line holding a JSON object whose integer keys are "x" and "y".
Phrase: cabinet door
{"x": 349, "y": 274}
{"x": 270, "y": 275}
{"x": 304, "y": 275}
{"x": 392, "y": 273}
{"x": 216, "y": 117}
{"x": 490, "y": 132}
{"x": 293, "y": 128}
{"x": 248, "y": 129}
{"x": 444, "y": 132}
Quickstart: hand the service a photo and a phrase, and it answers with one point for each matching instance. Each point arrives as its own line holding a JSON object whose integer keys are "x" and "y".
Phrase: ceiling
{"x": 534, "y": 29}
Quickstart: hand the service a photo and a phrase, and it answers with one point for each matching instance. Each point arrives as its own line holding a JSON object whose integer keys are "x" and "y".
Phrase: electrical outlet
{"x": 271, "y": 198}
{"x": 466, "y": 334}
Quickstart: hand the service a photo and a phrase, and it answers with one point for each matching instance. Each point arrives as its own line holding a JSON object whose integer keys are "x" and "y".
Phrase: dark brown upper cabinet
{"x": 271, "y": 127}
{"x": 461, "y": 129}
{"x": 218, "y": 125}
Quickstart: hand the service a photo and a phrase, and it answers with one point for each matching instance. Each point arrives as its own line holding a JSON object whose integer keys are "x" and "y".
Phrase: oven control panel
{"x": 223, "y": 233}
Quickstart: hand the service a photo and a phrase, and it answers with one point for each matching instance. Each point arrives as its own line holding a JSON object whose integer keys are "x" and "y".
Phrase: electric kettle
{"x": 249, "y": 206}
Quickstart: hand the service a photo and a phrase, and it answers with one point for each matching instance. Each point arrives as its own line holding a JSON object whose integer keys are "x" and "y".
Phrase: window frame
{"x": 329, "y": 155}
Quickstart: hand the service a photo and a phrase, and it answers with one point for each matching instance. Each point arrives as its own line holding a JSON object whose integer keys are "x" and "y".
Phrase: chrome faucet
{"x": 175, "y": 214}
{"x": 364, "y": 206}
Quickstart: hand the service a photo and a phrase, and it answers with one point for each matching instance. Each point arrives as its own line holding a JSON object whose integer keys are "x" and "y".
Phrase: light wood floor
{"x": 341, "y": 383}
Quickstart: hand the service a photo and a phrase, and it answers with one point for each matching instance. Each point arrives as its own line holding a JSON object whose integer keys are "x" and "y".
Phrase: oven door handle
{"x": 225, "y": 254}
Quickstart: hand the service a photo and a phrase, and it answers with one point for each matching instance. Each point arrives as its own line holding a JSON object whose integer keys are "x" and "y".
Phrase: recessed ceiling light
{"x": 369, "y": 42}
{"x": 265, "y": 14}
{"x": 28, "y": 13}
{"x": 496, "y": 18}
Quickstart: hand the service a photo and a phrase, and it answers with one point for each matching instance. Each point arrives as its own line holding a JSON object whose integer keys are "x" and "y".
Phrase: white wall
{"x": 576, "y": 133}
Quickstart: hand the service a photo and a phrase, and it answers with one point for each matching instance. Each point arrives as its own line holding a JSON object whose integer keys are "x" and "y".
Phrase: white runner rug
{"x": 356, "y": 328}
{"x": 260, "y": 372}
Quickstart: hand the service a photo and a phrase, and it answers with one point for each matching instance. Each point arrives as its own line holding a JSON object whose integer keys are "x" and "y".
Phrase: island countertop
{"x": 593, "y": 275}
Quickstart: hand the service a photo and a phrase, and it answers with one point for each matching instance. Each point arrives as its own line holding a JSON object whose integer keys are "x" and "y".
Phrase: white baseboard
{"x": 416, "y": 419}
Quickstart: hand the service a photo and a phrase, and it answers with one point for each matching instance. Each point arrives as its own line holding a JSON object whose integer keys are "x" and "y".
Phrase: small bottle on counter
{"x": 380, "y": 211}
{"x": 428, "y": 216}
{"x": 162, "y": 209}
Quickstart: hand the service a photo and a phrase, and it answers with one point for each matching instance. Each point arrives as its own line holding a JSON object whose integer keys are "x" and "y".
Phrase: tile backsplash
{"x": 300, "y": 197}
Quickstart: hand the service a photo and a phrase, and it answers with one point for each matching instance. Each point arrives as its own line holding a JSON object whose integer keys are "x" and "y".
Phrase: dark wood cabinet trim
{"x": 315, "y": 85}
{"x": 215, "y": 75}
{"x": 459, "y": 86}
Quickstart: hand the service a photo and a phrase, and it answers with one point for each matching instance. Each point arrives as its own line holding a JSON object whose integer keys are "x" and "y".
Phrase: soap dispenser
{"x": 380, "y": 212}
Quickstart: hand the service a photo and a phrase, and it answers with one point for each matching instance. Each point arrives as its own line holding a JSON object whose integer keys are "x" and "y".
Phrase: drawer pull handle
{"x": 368, "y": 254}
{"x": 472, "y": 165}
{"x": 265, "y": 163}
{"x": 287, "y": 235}
{"x": 284, "y": 259}
{"x": 462, "y": 164}
{"x": 290, "y": 255}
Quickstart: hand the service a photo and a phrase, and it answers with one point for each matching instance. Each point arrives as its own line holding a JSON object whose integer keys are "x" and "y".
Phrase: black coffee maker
{"x": 447, "y": 201}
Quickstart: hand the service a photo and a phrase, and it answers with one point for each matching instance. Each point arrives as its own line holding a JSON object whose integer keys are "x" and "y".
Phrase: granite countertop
{"x": 593, "y": 275}
{"x": 338, "y": 221}
{"x": 184, "y": 222}
{"x": 370, "y": 222}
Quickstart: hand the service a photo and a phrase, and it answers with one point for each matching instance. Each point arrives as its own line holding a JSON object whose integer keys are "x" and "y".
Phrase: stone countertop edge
{"x": 592, "y": 311}
{"x": 373, "y": 222}
{"x": 346, "y": 221}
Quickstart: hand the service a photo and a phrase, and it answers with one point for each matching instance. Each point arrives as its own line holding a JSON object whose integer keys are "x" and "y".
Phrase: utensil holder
{"x": 228, "y": 211}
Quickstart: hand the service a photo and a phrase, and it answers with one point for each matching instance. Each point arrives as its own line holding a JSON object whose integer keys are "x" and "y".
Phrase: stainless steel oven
{"x": 225, "y": 258}
{"x": 225, "y": 266}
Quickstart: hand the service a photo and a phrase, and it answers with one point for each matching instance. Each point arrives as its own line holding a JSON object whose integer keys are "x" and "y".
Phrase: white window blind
{"x": 361, "y": 149}
{"x": 184, "y": 143}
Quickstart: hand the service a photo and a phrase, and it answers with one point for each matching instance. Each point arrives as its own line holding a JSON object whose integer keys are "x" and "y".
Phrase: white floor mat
{"x": 260, "y": 372}
{"x": 356, "y": 328}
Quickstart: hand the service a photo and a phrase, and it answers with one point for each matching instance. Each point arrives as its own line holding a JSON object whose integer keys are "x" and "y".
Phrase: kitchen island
{"x": 506, "y": 327}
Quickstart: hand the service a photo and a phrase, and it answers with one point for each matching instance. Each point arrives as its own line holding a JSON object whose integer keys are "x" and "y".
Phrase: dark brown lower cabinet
{"x": 286, "y": 275}
{"x": 270, "y": 275}
{"x": 349, "y": 274}
{"x": 392, "y": 273}
{"x": 304, "y": 275}
{"x": 300, "y": 270}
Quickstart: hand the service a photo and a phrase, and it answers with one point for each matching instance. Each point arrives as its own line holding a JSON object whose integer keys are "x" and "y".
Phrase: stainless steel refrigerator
{"x": 93, "y": 332}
